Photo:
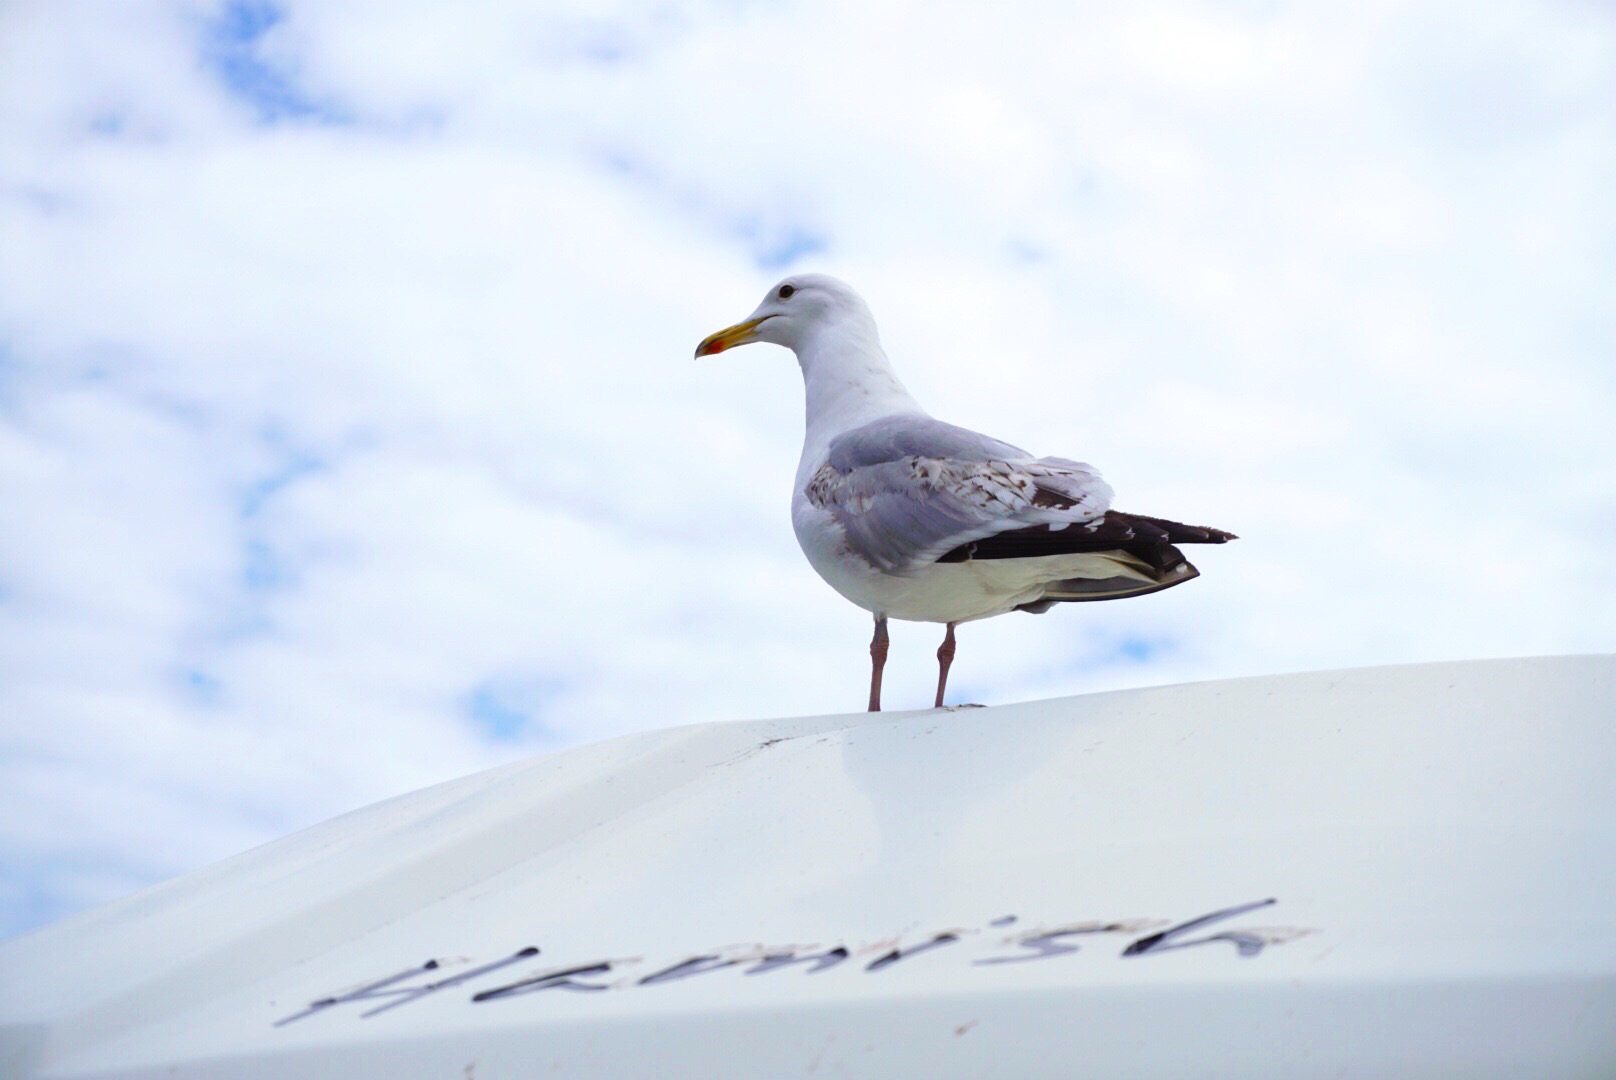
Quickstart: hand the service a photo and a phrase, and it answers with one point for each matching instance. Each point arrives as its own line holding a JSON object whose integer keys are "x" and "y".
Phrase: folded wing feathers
{"x": 1178, "y": 533}
{"x": 906, "y": 512}
{"x": 1147, "y": 539}
{"x": 910, "y": 490}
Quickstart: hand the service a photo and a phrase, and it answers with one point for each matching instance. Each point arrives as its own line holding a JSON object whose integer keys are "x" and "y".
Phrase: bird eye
{"x": 786, "y": 291}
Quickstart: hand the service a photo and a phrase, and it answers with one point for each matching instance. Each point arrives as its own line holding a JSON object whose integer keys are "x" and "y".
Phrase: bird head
{"x": 794, "y": 312}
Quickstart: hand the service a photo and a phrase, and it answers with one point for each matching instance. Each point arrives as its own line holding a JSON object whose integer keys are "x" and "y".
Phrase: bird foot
{"x": 967, "y": 705}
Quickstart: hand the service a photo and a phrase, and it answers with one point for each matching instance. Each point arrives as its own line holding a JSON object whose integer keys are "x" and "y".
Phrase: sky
{"x": 350, "y": 439}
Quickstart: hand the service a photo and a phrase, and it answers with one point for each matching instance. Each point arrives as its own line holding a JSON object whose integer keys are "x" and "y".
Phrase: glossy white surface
{"x": 1440, "y": 841}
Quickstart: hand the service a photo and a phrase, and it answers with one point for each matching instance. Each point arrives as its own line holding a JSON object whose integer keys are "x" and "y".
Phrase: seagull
{"x": 916, "y": 519}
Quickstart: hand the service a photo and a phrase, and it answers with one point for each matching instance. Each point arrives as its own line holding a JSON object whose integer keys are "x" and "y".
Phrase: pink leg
{"x": 878, "y": 660}
{"x": 945, "y": 657}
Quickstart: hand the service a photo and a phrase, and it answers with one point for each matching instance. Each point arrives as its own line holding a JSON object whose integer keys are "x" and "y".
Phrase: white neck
{"x": 849, "y": 382}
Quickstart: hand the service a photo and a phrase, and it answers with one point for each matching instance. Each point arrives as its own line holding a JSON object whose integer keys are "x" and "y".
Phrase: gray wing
{"x": 909, "y": 489}
{"x": 910, "y": 435}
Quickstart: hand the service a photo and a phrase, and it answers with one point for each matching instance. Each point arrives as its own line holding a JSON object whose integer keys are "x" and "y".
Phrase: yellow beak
{"x": 729, "y": 337}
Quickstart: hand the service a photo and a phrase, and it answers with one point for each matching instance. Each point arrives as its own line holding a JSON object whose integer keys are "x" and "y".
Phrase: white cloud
{"x": 349, "y": 438}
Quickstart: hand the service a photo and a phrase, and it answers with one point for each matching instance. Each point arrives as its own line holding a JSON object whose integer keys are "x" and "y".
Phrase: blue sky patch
{"x": 296, "y": 465}
{"x": 10, "y": 374}
{"x": 1129, "y": 649}
{"x": 1139, "y": 650}
{"x": 776, "y": 251}
{"x": 773, "y": 244}
{"x": 38, "y": 889}
{"x": 30, "y": 900}
{"x": 509, "y": 711}
{"x": 201, "y": 687}
{"x": 232, "y": 47}
{"x": 607, "y": 45}
{"x": 1024, "y": 252}
{"x": 262, "y": 568}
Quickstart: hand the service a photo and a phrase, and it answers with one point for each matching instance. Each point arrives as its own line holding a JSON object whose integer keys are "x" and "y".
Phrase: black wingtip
{"x": 1178, "y": 532}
